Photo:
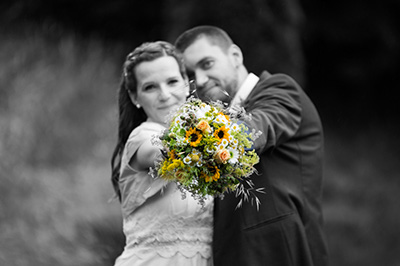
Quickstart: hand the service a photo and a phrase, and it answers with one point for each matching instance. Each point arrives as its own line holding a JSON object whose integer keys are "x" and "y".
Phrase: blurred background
{"x": 60, "y": 64}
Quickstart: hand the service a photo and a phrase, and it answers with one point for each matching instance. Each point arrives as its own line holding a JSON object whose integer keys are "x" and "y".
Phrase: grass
{"x": 57, "y": 130}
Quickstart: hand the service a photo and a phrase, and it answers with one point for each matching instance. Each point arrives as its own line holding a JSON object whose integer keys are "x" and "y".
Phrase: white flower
{"x": 196, "y": 152}
{"x": 179, "y": 122}
{"x": 224, "y": 142}
{"x": 221, "y": 119}
{"x": 181, "y": 141}
{"x": 234, "y": 142}
{"x": 210, "y": 149}
{"x": 234, "y": 156}
{"x": 201, "y": 111}
{"x": 234, "y": 127}
{"x": 220, "y": 147}
{"x": 187, "y": 160}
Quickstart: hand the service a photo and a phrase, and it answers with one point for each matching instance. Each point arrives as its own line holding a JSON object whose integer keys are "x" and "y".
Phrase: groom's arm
{"x": 276, "y": 111}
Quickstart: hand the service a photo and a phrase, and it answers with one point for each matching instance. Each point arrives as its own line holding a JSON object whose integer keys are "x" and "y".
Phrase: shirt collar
{"x": 245, "y": 89}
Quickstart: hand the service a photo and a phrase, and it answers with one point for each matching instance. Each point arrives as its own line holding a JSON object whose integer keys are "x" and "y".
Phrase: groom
{"x": 287, "y": 228}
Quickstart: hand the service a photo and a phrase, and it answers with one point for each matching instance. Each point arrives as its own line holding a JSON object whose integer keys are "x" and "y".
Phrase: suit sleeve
{"x": 275, "y": 109}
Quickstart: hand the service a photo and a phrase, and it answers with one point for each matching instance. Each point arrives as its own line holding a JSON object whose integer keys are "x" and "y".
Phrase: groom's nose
{"x": 201, "y": 78}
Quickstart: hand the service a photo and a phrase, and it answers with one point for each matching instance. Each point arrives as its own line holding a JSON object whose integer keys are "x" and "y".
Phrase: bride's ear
{"x": 133, "y": 98}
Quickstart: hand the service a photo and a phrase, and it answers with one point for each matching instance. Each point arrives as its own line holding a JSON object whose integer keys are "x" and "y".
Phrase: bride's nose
{"x": 164, "y": 94}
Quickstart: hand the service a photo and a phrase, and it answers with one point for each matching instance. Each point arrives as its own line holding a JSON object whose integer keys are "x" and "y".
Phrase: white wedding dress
{"x": 160, "y": 227}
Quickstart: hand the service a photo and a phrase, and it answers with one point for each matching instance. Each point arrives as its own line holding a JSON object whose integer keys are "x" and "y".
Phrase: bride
{"x": 160, "y": 227}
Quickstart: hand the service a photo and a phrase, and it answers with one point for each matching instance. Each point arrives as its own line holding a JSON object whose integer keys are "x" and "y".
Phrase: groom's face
{"x": 213, "y": 70}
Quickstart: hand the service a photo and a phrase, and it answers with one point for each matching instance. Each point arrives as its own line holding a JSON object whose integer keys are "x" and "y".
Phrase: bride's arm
{"x": 145, "y": 156}
{"x": 136, "y": 185}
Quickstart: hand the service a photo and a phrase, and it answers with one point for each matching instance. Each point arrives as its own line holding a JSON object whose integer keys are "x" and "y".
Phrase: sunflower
{"x": 193, "y": 136}
{"x": 221, "y": 133}
{"x": 214, "y": 171}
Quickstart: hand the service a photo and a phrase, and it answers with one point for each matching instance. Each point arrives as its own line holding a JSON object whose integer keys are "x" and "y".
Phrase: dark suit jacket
{"x": 287, "y": 228}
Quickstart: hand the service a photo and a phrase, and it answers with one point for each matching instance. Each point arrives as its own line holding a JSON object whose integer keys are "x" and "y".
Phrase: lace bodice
{"x": 173, "y": 226}
{"x": 155, "y": 217}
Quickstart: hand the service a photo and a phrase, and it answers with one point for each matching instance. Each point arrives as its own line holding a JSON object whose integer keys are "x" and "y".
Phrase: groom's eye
{"x": 207, "y": 64}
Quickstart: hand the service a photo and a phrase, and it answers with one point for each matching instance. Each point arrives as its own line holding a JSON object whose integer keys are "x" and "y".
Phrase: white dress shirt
{"x": 244, "y": 90}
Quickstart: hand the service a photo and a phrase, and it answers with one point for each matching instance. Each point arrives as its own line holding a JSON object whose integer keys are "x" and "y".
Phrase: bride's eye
{"x": 173, "y": 82}
{"x": 149, "y": 87}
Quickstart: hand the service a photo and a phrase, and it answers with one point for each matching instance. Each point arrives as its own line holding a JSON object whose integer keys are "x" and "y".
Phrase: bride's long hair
{"x": 131, "y": 116}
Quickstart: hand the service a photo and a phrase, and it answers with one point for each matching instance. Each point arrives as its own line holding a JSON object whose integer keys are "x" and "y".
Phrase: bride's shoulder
{"x": 147, "y": 129}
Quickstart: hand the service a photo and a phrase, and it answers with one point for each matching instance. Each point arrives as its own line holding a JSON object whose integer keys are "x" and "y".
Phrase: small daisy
{"x": 221, "y": 118}
{"x": 178, "y": 121}
{"x": 224, "y": 142}
{"x": 235, "y": 142}
{"x": 180, "y": 141}
{"x": 187, "y": 160}
{"x": 220, "y": 147}
{"x": 210, "y": 149}
{"x": 235, "y": 127}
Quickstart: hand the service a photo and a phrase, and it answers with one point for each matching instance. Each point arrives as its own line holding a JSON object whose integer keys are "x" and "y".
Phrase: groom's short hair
{"x": 214, "y": 35}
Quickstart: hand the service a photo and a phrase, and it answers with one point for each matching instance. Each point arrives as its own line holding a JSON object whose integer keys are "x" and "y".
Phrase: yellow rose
{"x": 204, "y": 126}
{"x": 222, "y": 156}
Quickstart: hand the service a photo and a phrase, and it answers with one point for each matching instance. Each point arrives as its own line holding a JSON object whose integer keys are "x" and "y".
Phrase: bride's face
{"x": 160, "y": 88}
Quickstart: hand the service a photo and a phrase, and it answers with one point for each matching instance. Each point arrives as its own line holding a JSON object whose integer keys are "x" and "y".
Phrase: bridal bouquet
{"x": 207, "y": 151}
